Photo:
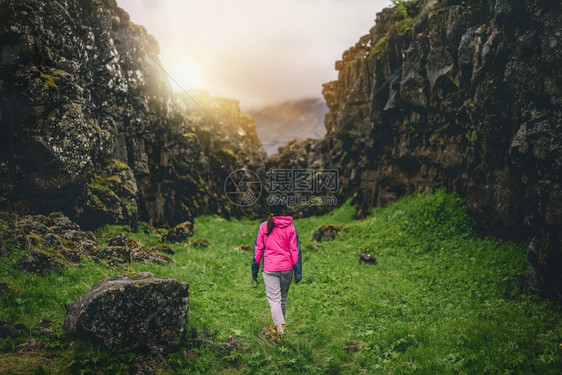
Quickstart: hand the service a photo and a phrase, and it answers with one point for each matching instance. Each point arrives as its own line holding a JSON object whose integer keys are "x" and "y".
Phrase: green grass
{"x": 440, "y": 300}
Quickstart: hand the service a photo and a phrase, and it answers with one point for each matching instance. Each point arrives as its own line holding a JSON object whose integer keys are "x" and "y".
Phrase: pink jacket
{"x": 279, "y": 249}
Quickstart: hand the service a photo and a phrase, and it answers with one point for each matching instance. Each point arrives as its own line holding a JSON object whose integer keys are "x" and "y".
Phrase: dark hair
{"x": 276, "y": 210}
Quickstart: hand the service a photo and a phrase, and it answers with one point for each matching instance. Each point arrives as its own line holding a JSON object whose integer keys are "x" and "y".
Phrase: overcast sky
{"x": 257, "y": 51}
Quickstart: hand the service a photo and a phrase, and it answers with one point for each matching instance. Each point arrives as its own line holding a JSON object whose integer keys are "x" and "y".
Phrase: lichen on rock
{"x": 126, "y": 312}
{"x": 124, "y": 249}
{"x": 180, "y": 232}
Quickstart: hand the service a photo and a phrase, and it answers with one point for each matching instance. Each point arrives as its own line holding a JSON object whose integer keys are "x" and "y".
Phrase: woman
{"x": 278, "y": 244}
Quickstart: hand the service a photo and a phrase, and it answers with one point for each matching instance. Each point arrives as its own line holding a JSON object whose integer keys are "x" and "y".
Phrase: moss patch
{"x": 380, "y": 49}
{"x": 48, "y": 80}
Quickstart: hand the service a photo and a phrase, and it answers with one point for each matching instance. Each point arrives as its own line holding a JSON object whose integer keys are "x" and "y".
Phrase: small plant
{"x": 472, "y": 137}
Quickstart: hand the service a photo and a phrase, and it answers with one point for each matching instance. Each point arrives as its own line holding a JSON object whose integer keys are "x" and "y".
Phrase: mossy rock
{"x": 269, "y": 334}
{"x": 200, "y": 242}
{"x": 180, "y": 232}
{"x": 226, "y": 155}
{"x": 40, "y": 262}
{"x": 115, "y": 165}
{"x": 326, "y": 232}
{"x": 129, "y": 312}
{"x": 121, "y": 239}
{"x": 103, "y": 200}
{"x": 380, "y": 49}
{"x": 163, "y": 249}
{"x": 106, "y": 182}
{"x": 124, "y": 249}
{"x": 104, "y": 206}
{"x": 114, "y": 255}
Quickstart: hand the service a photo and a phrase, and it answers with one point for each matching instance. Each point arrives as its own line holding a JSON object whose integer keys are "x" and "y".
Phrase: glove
{"x": 255, "y": 277}
{"x": 298, "y": 280}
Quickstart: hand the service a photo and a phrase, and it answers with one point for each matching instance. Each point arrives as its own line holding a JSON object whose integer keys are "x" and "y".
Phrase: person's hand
{"x": 255, "y": 277}
{"x": 298, "y": 280}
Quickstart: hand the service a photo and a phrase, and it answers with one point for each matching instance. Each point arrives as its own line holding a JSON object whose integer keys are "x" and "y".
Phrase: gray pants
{"x": 277, "y": 288}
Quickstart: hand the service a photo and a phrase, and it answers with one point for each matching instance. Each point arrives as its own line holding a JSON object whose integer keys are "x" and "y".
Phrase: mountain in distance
{"x": 278, "y": 124}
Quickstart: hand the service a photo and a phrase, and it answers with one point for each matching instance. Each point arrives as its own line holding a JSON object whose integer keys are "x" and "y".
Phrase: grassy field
{"x": 440, "y": 300}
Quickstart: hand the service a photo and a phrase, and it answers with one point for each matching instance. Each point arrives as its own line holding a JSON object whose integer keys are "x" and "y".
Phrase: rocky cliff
{"x": 462, "y": 94}
{"x": 89, "y": 123}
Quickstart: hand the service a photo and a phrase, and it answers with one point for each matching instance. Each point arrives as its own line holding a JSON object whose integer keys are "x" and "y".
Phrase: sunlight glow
{"x": 186, "y": 72}
{"x": 258, "y": 52}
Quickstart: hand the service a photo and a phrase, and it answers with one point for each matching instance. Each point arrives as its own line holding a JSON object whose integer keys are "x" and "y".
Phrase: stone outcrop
{"x": 128, "y": 312}
{"x": 462, "y": 94}
{"x": 123, "y": 249}
{"x": 90, "y": 125}
{"x": 53, "y": 241}
{"x": 50, "y": 243}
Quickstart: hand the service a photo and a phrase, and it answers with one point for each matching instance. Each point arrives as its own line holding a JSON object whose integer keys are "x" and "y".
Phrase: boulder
{"x": 126, "y": 312}
{"x": 326, "y": 232}
{"x": 180, "y": 232}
